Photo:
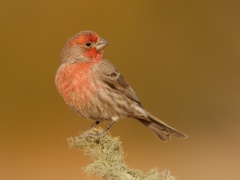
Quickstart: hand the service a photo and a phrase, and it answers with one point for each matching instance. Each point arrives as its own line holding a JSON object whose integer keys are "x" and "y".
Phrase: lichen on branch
{"x": 107, "y": 155}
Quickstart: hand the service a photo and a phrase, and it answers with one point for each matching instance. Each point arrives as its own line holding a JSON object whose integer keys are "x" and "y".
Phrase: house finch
{"x": 94, "y": 88}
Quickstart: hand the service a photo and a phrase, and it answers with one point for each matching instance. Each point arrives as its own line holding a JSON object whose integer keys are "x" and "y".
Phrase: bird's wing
{"x": 110, "y": 75}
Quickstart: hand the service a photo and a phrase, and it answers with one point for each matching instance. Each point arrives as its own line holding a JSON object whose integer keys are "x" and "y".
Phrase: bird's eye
{"x": 88, "y": 44}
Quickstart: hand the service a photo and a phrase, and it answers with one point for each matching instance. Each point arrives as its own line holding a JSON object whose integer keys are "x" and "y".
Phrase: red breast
{"x": 74, "y": 82}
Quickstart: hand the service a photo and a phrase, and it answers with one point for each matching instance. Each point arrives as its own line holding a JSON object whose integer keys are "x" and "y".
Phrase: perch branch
{"x": 107, "y": 155}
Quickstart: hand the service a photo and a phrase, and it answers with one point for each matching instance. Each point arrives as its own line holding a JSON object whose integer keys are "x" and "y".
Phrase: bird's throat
{"x": 94, "y": 55}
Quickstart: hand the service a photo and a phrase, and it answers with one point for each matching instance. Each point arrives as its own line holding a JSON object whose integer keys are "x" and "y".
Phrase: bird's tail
{"x": 161, "y": 129}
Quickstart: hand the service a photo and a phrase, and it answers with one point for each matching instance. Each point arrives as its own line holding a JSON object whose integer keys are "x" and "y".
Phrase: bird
{"x": 94, "y": 88}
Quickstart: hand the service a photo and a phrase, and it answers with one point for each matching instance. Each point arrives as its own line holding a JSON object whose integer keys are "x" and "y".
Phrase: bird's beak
{"x": 101, "y": 44}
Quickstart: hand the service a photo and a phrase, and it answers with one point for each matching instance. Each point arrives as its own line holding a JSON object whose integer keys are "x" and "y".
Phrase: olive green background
{"x": 181, "y": 58}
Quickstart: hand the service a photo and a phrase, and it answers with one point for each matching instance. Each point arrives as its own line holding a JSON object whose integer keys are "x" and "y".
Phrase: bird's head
{"x": 84, "y": 46}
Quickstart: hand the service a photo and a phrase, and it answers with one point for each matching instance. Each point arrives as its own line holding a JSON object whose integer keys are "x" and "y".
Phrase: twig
{"x": 107, "y": 155}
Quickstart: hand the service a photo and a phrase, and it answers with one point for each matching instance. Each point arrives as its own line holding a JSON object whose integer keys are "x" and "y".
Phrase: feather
{"x": 110, "y": 75}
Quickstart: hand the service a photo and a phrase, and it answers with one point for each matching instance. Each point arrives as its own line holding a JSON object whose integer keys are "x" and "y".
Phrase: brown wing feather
{"x": 110, "y": 75}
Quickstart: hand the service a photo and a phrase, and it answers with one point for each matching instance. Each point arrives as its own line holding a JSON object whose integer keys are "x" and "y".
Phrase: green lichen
{"x": 107, "y": 155}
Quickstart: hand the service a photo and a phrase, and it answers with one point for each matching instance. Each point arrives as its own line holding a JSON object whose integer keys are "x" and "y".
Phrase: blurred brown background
{"x": 181, "y": 58}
